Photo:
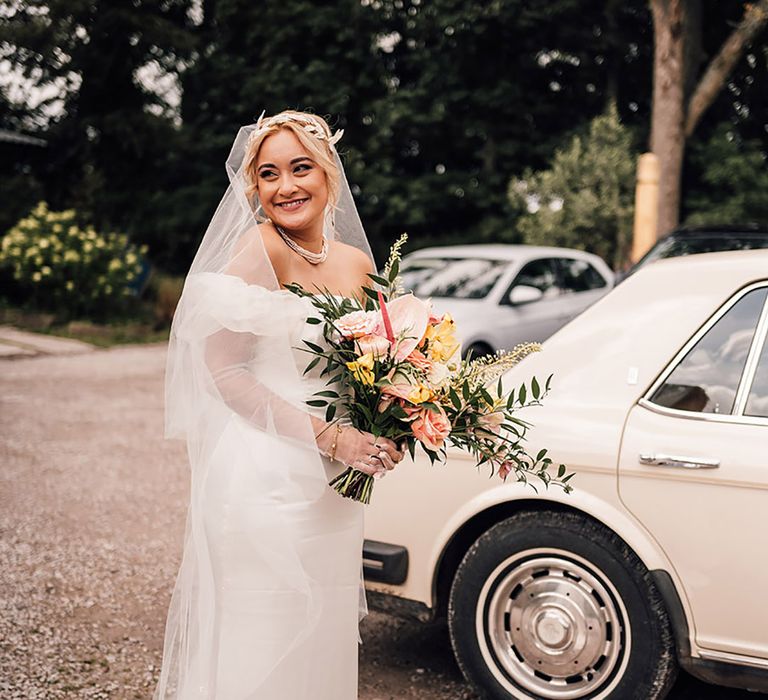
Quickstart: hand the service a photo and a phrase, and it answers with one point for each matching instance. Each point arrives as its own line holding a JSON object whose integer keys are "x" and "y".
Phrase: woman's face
{"x": 292, "y": 187}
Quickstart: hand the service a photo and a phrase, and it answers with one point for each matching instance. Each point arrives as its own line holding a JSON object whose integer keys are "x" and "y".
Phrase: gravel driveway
{"x": 92, "y": 510}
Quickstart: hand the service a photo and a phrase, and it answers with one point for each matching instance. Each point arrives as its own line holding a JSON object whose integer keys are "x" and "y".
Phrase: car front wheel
{"x": 553, "y": 605}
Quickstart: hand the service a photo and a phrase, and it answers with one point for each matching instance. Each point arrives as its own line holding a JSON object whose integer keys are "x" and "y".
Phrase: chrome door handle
{"x": 676, "y": 461}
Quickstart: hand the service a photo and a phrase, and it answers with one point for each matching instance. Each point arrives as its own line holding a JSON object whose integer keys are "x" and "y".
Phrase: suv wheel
{"x": 552, "y": 605}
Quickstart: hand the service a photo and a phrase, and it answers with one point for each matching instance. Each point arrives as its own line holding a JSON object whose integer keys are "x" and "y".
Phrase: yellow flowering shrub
{"x": 63, "y": 267}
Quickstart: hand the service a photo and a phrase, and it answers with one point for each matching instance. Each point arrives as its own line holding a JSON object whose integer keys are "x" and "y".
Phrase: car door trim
{"x": 712, "y": 417}
{"x": 750, "y": 367}
{"x": 732, "y": 658}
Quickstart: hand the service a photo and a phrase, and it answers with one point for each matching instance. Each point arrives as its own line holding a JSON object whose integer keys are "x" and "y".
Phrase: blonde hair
{"x": 315, "y": 136}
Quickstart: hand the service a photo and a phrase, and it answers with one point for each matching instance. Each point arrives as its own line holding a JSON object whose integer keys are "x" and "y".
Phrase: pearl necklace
{"x": 308, "y": 255}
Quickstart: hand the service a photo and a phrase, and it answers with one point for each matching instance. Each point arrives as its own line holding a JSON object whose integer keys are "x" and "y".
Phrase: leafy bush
{"x": 732, "y": 182}
{"x": 586, "y": 199}
{"x": 73, "y": 271}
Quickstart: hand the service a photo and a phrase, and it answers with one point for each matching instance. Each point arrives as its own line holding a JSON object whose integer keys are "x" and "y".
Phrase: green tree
{"x": 268, "y": 56}
{"x": 96, "y": 65}
{"x": 682, "y": 91}
{"x": 734, "y": 180}
{"x": 584, "y": 200}
{"x": 479, "y": 91}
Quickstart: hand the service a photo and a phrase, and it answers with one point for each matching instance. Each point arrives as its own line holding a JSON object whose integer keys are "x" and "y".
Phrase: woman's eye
{"x": 302, "y": 166}
{"x": 266, "y": 173}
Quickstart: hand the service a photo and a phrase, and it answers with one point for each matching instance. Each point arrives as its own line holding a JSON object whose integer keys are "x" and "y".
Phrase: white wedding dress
{"x": 272, "y": 569}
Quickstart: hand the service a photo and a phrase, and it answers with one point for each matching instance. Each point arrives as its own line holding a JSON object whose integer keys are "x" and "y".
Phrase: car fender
{"x": 503, "y": 500}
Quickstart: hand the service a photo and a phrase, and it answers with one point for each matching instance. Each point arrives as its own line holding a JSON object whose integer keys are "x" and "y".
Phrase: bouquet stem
{"x": 354, "y": 484}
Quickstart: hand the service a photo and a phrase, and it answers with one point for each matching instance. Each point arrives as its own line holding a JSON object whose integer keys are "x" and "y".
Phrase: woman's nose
{"x": 287, "y": 184}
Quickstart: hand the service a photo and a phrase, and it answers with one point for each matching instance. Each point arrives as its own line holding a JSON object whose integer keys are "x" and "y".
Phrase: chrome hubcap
{"x": 553, "y": 624}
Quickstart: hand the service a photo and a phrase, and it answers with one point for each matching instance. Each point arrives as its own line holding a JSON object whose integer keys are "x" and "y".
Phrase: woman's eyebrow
{"x": 293, "y": 162}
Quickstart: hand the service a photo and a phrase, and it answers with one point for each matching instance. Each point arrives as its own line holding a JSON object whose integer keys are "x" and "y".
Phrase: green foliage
{"x": 67, "y": 269}
{"x": 733, "y": 186}
{"x": 585, "y": 199}
{"x": 442, "y": 103}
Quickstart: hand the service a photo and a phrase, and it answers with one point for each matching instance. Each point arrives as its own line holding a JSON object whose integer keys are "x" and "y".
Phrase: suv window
{"x": 707, "y": 378}
{"x": 579, "y": 276}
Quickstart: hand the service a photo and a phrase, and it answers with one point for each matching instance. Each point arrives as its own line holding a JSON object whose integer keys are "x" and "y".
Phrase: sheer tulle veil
{"x": 231, "y": 370}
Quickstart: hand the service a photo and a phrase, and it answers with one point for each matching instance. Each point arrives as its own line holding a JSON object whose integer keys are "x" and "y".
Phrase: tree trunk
{"x": 668, "y": 111}
{"x": 755, "y": 18}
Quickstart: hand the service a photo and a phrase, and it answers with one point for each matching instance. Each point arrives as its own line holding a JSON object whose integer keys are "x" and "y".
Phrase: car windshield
{"x": 674, "y": 246}
{"x": 460, "y": 278}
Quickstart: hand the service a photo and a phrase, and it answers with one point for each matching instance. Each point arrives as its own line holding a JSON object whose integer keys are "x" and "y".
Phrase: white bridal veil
{"x": 235, "y": 393}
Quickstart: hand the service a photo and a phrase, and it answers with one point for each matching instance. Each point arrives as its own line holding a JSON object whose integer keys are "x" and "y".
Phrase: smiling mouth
{"x": 293, "y": 204}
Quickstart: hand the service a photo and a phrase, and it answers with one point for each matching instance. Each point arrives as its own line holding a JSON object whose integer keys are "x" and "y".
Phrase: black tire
{"x": 542, "y": 592}
{"x": 479, "y": 349}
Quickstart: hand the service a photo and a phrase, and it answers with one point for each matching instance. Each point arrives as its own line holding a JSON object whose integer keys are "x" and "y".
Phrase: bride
{"x": 269, "y": 593}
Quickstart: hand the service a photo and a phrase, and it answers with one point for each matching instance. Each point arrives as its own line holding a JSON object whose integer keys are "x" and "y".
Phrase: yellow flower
{"x": 70, "y": 285}
{"x": 45, "y": 270}
{"x": 442, "y": 342}
{"x": 36, "y": 276}
{"x": 420, "y": 394}
{"x": 362, "y": 369}
{"x": 115, "y": 264}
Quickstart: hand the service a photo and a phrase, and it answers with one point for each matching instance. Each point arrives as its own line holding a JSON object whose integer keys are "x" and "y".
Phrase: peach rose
{"x": 358, "y": 324}
{"x": 376, "y": 345}
{"x": 429, "y": 426}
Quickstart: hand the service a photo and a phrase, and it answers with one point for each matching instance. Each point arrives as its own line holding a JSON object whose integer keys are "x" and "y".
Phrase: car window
{"x": 539, "y": 274}
{"x": 757, "y": 400}
{"x": 676, "y": 245}
{"x": 707, "y": 378}
{"x": 579, "y": 276}
{"x": 460, "y": 278}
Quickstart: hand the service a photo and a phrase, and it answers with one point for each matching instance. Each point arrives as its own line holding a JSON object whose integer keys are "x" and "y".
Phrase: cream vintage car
{"x": 659, "y": 557}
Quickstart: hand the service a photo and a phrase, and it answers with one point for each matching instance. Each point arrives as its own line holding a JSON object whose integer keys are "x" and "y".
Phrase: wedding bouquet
{"x": 402, "y": 377}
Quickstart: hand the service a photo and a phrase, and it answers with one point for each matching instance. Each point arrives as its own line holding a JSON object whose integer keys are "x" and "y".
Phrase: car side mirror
{"x": 523, "y": 294}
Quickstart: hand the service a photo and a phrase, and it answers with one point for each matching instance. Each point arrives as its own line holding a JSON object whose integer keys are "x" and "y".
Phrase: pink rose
{"x": 429, "y": 426}
{"x": 491, "y": 421}
{"x": 376, "y": 345}
{"x": 358, "y": 324}
{"x": 398, "y": 384}
{"x": 420, "y": 360}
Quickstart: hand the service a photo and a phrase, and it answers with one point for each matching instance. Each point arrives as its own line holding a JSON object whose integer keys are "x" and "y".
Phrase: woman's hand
{"x": 360, "y": 450}
{"x": 367, "y": 453}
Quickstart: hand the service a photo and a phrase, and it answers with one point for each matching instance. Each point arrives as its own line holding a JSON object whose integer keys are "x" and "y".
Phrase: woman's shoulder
{"x": 248, "y": 250}
{"x": 352, "y": 256}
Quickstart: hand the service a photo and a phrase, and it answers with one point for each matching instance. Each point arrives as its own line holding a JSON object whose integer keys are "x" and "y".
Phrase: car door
{"x": 536, "y": 320}
{"x": 693, "y": 468}
{"x": 580, "y": 283}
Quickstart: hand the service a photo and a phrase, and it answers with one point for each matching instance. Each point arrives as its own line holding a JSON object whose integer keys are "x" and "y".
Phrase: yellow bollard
{"x": 645, "y": 229}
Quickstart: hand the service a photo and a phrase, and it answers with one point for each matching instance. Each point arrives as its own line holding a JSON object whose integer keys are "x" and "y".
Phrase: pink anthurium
{"x": 408, "y": 318}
